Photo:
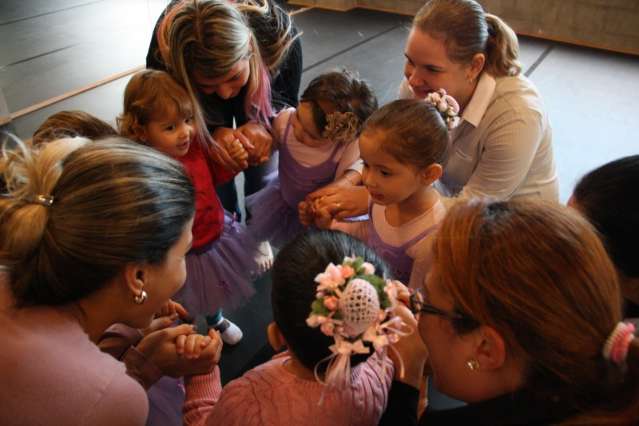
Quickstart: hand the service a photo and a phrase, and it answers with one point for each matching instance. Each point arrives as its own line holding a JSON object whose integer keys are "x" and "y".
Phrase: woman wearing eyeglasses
{"x": 522, "y": 320}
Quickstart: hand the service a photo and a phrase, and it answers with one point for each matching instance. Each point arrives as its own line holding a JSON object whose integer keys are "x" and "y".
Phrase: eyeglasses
{"x": 426, "y": 308}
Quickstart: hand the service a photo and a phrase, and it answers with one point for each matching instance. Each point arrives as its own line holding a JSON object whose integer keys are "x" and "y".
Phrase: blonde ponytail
{"x": 502, "y": 48}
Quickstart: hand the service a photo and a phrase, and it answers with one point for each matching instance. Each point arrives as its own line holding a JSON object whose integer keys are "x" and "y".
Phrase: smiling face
{"x": 226, "y": 86}
{"x": 387, "y": 180}
{"x": 429, "y": 68}
{"x": 170, "y": 134}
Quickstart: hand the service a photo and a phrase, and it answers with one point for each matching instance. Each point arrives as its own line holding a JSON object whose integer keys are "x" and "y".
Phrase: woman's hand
{"x": 340, "y": 200}
{"x": 411, "y": 349}
{"x": 260, "y": 142}
{"x": 160, "y": 348}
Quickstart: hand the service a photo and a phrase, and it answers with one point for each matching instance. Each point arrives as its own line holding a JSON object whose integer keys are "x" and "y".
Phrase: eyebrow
{"x": 423, "y": 65}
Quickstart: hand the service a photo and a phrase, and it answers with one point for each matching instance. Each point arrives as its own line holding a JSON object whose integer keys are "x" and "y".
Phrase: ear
{"x": 431, "y": 173}
{"x": 275, "y": 338}
{"x": 135, "y": 276}
{"x": 140, "y": 133}
{"x": 490, "y": 349}
{"x": 476, "y": 66}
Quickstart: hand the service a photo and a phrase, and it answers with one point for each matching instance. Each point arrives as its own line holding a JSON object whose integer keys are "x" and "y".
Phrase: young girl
{"x": 158, "y": 112}
{"x": 317, "y": 143}
{"x": 302, "y": 386}
{"x": 403, "y": 146}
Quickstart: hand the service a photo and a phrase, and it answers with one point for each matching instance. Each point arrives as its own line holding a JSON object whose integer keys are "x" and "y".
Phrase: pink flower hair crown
{"x": 446, "y": 105}
{"x": 353, "y": 305}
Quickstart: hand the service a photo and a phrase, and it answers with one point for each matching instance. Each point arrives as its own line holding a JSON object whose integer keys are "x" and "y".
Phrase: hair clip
{"x": 43, "y": 200}
{"x": 616, "y": 347}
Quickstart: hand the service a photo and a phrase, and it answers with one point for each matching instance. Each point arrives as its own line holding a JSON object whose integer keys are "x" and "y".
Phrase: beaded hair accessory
{"x": 616, "y": 347}
{"x": 341, "y": 127}
{"x": 43, "y": 200}
{"x": 447, "y": 107}
{"x": 353, "y": 305}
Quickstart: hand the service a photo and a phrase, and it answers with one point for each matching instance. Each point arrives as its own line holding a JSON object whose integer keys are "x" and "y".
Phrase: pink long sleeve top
{"x": 52, "y": 374}
{"x": 271, "y": 395}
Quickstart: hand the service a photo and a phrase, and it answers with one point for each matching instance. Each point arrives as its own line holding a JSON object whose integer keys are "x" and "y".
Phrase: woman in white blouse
{"x": 503, "y": 146}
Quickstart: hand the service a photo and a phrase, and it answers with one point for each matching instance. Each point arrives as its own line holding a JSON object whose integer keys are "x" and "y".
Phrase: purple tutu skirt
{"x": 166, "y": 398}
{"x": 220, "y": 275}
{"x": 272, "y": 219}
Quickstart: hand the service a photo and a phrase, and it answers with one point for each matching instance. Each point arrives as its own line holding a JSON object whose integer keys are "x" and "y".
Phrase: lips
{"x": 184, "y": 146}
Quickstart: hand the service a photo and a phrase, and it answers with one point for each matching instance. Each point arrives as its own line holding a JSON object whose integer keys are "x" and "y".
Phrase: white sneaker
{"x": 230, "y": 332}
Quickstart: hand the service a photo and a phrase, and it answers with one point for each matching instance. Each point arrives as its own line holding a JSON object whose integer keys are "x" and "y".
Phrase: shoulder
{"x": 516, "y": 94}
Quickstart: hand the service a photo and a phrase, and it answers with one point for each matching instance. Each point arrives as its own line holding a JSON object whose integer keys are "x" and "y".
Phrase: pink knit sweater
{"x": 52, "y": 374}
{"x": 271, "y": 395}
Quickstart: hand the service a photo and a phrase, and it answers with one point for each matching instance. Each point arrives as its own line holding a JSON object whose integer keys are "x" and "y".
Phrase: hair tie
{"x": 447, "y": 107}
{"x": 616, "y": 347}
{"x": 43, "y": 200}
{"x": 353, "y": 305}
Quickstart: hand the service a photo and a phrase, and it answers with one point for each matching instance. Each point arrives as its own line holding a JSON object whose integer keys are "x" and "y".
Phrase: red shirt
{"x": 205, "y": 176}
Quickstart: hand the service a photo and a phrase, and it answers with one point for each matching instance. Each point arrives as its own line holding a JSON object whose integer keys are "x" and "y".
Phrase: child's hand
{"x": 172, "y": 309}
{"x": 323, "y": 218}
{"x": 261, "y": 142}
{"x": 237, "y": 152}
{"x": 305, "y": 211}
{"x": 224, "y": 137}
{"x": 193, "y": 346}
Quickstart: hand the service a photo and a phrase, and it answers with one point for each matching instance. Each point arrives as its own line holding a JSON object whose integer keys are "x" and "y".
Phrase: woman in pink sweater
{"x": 91, "y": 234}
{"x": 286, "y": 390}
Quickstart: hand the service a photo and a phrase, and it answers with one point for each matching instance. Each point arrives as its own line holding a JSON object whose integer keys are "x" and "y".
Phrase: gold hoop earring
{"x": 141, "y": 298}
{"x": 472, "y": 365}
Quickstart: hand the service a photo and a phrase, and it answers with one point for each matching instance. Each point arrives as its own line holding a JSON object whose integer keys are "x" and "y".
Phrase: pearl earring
{"x": 472, "y": 365}
{"x": 141, "y": 298}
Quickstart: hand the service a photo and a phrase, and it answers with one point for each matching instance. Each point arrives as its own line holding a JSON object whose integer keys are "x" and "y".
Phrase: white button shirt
{"x": 503, "y": 146}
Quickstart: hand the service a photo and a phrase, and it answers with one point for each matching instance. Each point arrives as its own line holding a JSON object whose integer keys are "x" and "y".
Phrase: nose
{"x": 413, "y": 78}
{"x": 367, "y": 179}
{"x": 225, "y": 91}
{"x": 185, "y": 131}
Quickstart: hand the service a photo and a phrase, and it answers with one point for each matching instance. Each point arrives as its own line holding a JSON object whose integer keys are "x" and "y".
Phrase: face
{"x": 428, "y": 68}
{"x": 304, "y": 126}
{"x": 226, "y": 86}
{"x": 388, "y": 181}
{"x": 448, "y": 351}
{"x": 171, "y": 134}
{"x": 162, "y": 281}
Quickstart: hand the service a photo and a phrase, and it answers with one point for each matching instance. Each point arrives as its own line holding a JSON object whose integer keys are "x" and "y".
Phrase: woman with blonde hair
{"x": 503, "y": 145}
{"x": 241, "y": 62}
{"x": 91, "y": 234}
{"x": 522, "y": 320}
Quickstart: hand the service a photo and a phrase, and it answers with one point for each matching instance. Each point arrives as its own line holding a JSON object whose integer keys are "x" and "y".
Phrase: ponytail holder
{"x": 447, "y": 107}
{"x": 616, "y": 347}
{"x": 43, "y": 200}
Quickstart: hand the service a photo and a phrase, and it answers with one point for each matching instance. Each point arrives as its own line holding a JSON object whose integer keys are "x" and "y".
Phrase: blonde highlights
{"x": 114, "y": 202}
{"x": 467, "y": 30}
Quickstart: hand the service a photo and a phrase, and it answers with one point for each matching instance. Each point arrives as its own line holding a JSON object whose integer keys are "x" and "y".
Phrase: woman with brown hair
{"x": 503, "y": 146}
{"x": 241, "y": 61}
{"x": 522, "y": 320}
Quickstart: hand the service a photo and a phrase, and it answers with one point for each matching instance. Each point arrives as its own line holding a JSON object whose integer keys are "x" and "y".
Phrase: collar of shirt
{"x": 476, "y": 108}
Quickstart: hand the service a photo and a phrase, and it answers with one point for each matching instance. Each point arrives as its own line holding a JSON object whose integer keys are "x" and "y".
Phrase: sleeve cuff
{"x": 140, "y": 368}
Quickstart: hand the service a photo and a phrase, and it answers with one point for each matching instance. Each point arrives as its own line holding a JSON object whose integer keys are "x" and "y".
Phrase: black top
{"x": 285, "y": 83}
{"x": 519, "y": 408}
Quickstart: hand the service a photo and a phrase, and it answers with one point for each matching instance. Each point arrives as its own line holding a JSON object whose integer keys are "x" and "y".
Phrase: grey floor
{"x": 51, "y": 47}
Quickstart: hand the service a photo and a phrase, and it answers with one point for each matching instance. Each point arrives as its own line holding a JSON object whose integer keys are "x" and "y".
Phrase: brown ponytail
{"x": 467, "y": 30}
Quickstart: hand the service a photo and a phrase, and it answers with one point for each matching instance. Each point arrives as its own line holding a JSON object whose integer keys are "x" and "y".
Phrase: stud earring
{"x": 472, "y": 365}
{"x": 141, "y": 298}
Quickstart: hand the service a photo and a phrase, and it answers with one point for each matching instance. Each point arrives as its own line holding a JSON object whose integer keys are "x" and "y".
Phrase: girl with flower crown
{"x": 404, "y": 146}
{"x": 317, "y": 143}
{"x": 336, "y": 323}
